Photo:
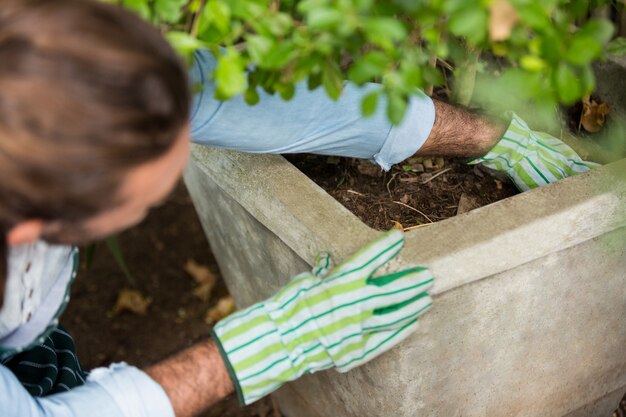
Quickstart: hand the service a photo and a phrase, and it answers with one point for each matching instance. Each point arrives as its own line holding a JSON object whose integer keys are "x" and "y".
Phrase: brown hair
{"x": 87, "y": 91}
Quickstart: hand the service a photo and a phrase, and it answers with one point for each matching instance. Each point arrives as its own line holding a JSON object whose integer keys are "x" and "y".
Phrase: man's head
{"x": 93, "y": 116}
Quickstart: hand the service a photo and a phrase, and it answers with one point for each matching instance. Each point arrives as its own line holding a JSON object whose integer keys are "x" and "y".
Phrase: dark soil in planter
{"x": 414, "y": 193}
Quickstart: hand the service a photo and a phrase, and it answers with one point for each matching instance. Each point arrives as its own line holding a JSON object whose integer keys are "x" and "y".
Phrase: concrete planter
{"x": 528, "y": 304}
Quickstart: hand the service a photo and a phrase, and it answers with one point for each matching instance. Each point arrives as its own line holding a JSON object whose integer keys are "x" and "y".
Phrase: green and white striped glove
{"x": 321, "y": 320}
{"x": 533, "y": 159}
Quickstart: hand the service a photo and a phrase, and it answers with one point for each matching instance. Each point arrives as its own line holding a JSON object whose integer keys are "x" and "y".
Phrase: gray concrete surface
{"x": 529, "y": 299}
{"x": 612, "y": 82}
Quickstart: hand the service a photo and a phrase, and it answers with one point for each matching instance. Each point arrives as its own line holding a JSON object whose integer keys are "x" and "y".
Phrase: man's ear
{"x": 25, "y": 232}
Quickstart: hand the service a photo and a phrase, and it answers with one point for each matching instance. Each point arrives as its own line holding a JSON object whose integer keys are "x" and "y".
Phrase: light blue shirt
{"x": 117, "y": 391}
{"x": 39, "y": 276}
{"x": 310, "y": 122}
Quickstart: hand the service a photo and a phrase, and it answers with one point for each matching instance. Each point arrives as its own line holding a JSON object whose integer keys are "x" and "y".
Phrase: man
{"x": 94, "y": 130}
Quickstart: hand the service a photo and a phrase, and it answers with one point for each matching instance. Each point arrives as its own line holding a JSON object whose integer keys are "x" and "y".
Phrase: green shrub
{"x": 540, "y": 50}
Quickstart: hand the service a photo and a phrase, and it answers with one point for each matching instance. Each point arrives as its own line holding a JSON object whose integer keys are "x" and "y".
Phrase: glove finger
{"x": 366, "y": 261}
{"x": 558, "y": 146}
{"x": 397, "y": 315}
{"x": 404, "y": 278}
{"x": 375, "y": 344}
{"x": 322, "y": 265}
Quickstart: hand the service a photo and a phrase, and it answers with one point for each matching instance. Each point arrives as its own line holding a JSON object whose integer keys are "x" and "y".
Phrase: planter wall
{"x": 528, "y": 304}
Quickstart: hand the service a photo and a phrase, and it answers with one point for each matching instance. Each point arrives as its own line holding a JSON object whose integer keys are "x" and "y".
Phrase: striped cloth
{"x": 533, "y": 159}
{"x": 320, "y": 320}
{"x": 50, "y": 367}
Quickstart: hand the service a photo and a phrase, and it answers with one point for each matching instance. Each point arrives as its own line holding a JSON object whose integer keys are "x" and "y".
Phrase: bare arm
{"x": 460, "y": 133}
{"x": 193, "y": 379}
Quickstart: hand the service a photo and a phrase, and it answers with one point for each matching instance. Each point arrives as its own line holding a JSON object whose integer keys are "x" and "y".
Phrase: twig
{"x": 413, "y": 208}
{"x": 445, "y": 64}
{"x": 465, "y": 82}
{"x": 443, "y": 171}
{"x": 433, "y": 63}
{"x": 354, "y": 192}
{"x": 196, "y": 19}
{"x": 389, "y": 182}
{"x": 416, "y": 227}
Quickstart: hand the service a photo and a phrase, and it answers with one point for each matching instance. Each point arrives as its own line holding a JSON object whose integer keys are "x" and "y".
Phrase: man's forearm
{"x": 193, "y": 379}
{"x": 460, "y": 133}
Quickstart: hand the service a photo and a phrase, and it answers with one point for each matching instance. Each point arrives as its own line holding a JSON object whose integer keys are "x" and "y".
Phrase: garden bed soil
{"x": 414, "y": 193}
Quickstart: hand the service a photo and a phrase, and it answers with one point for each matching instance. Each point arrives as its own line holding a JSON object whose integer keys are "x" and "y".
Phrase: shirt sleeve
{"x": 118, "y": 391}
{"x": 309, "y": 123}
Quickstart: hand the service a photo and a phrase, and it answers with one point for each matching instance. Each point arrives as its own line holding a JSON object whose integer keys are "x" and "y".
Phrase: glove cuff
{"x": 257, "y": 358}
{"x": 229, "y": 368}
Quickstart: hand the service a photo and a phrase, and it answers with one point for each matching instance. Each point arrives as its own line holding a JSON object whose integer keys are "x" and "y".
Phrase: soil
{"x": 156, "y": 252}
{"x": 417, "y": 192}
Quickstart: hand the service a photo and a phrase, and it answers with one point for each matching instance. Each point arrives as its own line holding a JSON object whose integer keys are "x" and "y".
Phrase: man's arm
{"x": 183, "y": 385}
{"x": 193, "y": 379}
{"x": 460, "y": 133}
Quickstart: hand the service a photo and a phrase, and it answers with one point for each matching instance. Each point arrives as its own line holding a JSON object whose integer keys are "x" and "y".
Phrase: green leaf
{"x": 217, "y": 13}
{"x": 258, "y": 47}
{"x": 386, "y": 28}
{"x": 314, "y": 80}
{"x": 183, "y": 42}
{"x": 230, "y": 76}
{"x": 169, "y": 11}
{"x": 368, "y": 67}
{"x": 588, "y": 42}
{"x": 600, "y": 30}
{"x": 251, "y": 96}
{"x": 532, "y": 63}
{"x": 370, "y": 103}
{"x": 324, "y": 18}
{"x": 113, "y": 244}
{"x": 280, "y": 24}
{"x": 567, "y": 84}
{"x": 396, "y": 107}
{"x": 535, "y": 16}
{"x": 617, "y": 47}
{"x": 331, "y": 79}
{"x": 278, "y": 55}
{"x": 471, "y": 23}
{"x": 583, "y": 50}
{"x": 286, "y": 91}
{"x": 140, "y": 7}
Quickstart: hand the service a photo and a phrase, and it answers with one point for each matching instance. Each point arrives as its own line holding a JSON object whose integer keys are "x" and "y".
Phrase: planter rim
{"x": 459, "y": 250}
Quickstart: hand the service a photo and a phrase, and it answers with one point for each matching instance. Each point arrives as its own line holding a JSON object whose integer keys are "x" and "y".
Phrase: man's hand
{"x": 320, "y": 320}
{"x": 532, "y": 159}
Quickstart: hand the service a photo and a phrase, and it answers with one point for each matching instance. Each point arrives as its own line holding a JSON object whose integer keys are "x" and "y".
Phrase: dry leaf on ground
{"x": 467, "y": 203}
{"x": 132, "y": 301}
{"x": 397, "y": 225}
{"x": 204, "y": 278}
{"x": 502, "y": 19}
{"x": 593, "y": 115}
{"x": 224, "y": 307}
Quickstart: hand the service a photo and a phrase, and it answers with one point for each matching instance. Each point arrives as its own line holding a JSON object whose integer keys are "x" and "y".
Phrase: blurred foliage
{"x": 540, "y": 50}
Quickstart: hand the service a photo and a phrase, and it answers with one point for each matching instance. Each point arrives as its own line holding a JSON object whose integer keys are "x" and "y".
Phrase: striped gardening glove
{"x": 533, "y": 159}
{"x": 320, "y": 320}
